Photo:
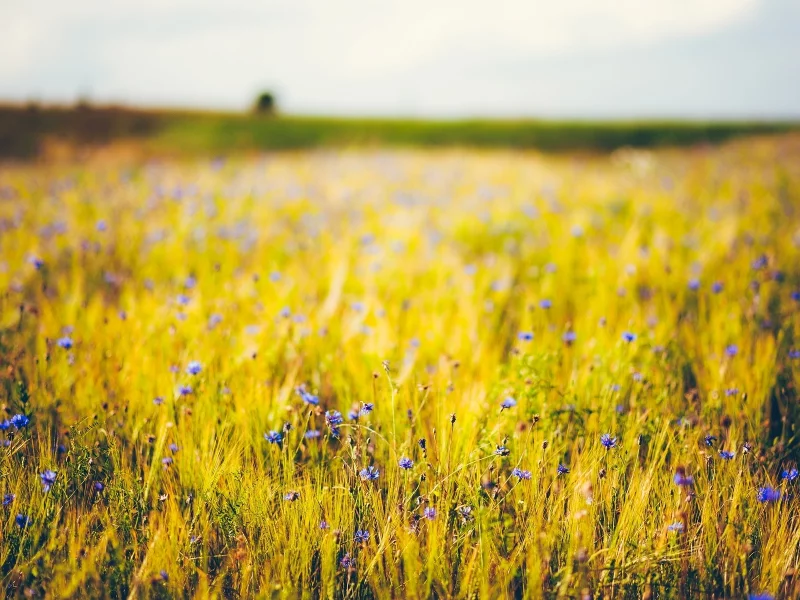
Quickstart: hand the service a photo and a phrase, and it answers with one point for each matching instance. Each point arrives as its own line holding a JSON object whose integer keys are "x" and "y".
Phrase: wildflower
{"x": 333, "y": 418}
{"x": 694, "y": 284}
{"x": 628, "y": 336}
{"x": 709, "y": 440}
{"x": 347, "y": 561}
{"x": 525, "y": 336}
{"x": 725, "y": 455}
{"x": 509, "y": 402}
{"x": 716, "y": 287}
{"x": 794, "y": 354}
{"x": 8, "y": 499}
{"x": 569, "y": 337}
{"x": 323, "y": 524}
{"x": 37, "y": 263}
{"x": 353, "y": 415}
{"x": 185, "y": 390}
{"x": 273, "y": 437}
{"x": 731, "y": 391}
{"x": 173, "y": 447}
{"x": 796, "y": 296}
{"x": 19, "y": 421}
{"x": 369, "y": 473}
{"x": 291, "y": 496}
{"x": 214, "y": 320}
{"x": 520, "y": 474}
{"x": 546, "y": 304}
{"x": 429, "y": 513}
{"x": 759, "y": 263}
{"x": 789, "y": 475}
{"x": 164, "y": 575}
{"x": 502, "y": 451}
{"x": 761, "y": 596}
{"x": 367, "y": 408}
{"x": 312, "y": 434}
{"x": 562, "y": 469}
{"x": 615, "y": 387}
{"x": 98, "y": 486}
{"x": 22, "y": 520}
{"x": 158, "y": 400}
{"x": 65, "y": 342}
{"x": 194, "y": 367}
{"x": 768, "y": 494}
{"x": 405, "y": 463}
{"x": 608, "y": 441}
{"x": 48, "y": 478}
{"x": 682, "y": 479}
{"x": 361, "y": 536}
{"x": 182, "y": 299}
{"x": 677, "y": 527}
{"x": 166, "y": 461}
{"x": 465, "y": 512}
{"x": 307, "y": 398}
{"x": 731, "y": 350}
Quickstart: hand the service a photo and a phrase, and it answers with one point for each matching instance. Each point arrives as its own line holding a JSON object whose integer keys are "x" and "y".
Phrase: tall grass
{"x": 465, "y": 310}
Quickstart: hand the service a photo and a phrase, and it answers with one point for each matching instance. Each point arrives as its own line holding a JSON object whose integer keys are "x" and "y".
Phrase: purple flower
{"x": 323, "y": 524}
{"x": 98, "y": 486}
{"x": 19, "y": 421}
{"x": 520, "y": 474}
{"x": 709, "y": 440}
{"x": 789, "y": 475}
{"x": 502, "y": 451}
{"x": 273, "y": 437}
{"x": 48, "y": 478}
{"x": 509, "y": 402}
{"x": 194, "y": 367}
{"x": 307, "y": 398}
{"x": 347, "y": 561}
{"x": 185, "y": 390}
{"x": 166, "y": 461}
{"x": 429, "y": 513}
{"x": 22, "y": 521}
{"x": 312, "y": 434}
{"x": 731, "y": 350}
{"x": 794, "y": 354}
{"x": 608, "y": 441}
{"x": 569, "y": 337}
{"x": 682, "y": 479}
{"x": 768, "y": 494}
{"x": 761, "y": 596}
{"x": 361, "y": 536}
{"x": 8, "y": 499}
{"x": 676, "y": 527}
{"x": 291, "y": 496}
{"x": 65, "y": 343}
{"x": 173, "y": 447}
{"x": 716, "y": 287}
{"x": 369, "y": 473}
{"x": 628, "y": 336}
{"x": 546, "y": 304}
{"x": 158, "y": 400}
{"x": 562, "y": 469}
{"x": 333, "y": 418}
{"x": 694, "y": 284}
{"x": 725, "y": 455}
{"x": 405, "y": 463}
{"x": 525, "y": 336}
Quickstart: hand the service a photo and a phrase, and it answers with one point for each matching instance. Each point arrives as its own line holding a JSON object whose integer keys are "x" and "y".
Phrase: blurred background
{"x": 396, "y": 71}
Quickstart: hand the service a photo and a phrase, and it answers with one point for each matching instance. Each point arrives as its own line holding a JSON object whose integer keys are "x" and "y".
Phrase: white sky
{"x": 412, "y": 57}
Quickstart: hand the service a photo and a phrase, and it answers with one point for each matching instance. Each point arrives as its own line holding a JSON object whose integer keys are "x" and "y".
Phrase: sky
{"x": 451, "y": 58}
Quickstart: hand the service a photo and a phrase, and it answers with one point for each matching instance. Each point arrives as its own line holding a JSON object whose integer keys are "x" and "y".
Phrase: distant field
{"x": 23, "y": 130}
{"x": 400, "y": 373}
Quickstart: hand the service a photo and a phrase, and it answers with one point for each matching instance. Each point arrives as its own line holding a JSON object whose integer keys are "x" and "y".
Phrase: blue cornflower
{"x": 22, "y": 520}
{"x": 794, "y": 354}
{"x": 323, "y": 524}
{"x": 366, "y": 408}
{"x": 274, "y": 437}
{"x": 569, "y": 337}
{"x": 502, "y": 451}
{"x": 525, "y": 336}
{"x": 761, "y": 596}
{"x": 214, "y": 320}
{"x": 508, "y": 402}
{"x": 173, "y": 447}
{"x": 347, "y": 561}
{"x": 164, "y": 575}
{"x": 37, "y": 263}
{"x": 768, "y": 494}
{"x": 166, "y": 461}
{"x": 628, "y": 336}
{"x": 182, "y": 299}
{"x": 709, "y": 440}
{"x": 608, "y": 441}
{"x": 185, "y": 390}
{"x": 65, "y": 342}
{"x": 98, "y": 486}
{"x": 562, "y": 469}
{"x": 731, "y": 391}
{"x": 194, "y": 367}
{"x": 429, "y": 513}
{"x": 291, "y": 496}
{"x": 405, "y": 463}
{"x": 333, "y": 418}
{"x": 8, "y": 499}
{"x": 300, "y": 390}
{"x": 789, "y": 475}
{"x": 694, "y": 284}
{"x": 352, "y": 415}
{"x": 724, "y": 454}
{"x": 682, "y": 479}
{"x": 731, "y": 350}
{"x": 759, "y": 263}
{"x": 677, "y": 527}
{"x": 546, "y": 304}
{"x": 615, "y": 387}
{"x": 361, "y": 536}
{"x": 369, "y": 473}
{"x": 716, "y": 287}
{"x": 312, "y": 434}
{"x": 158, "y": 400}
{"x": 520, "y": 474}
{"x": 48, "y": 478}
{"x": 19, "y": 421}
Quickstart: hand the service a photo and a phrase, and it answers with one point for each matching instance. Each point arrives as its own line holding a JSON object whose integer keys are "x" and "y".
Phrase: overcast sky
{"x": 587, "y": 58}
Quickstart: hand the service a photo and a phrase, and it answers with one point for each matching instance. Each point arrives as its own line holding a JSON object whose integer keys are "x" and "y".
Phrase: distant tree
{"x": 265, "y": 103}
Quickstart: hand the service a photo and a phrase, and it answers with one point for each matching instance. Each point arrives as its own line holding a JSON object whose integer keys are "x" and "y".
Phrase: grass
{"x": 25, "y": 130}
{"x": 401, "y": 280}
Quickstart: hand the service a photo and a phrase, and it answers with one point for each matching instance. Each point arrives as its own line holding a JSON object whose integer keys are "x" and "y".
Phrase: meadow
{"x": 398, "y": 373}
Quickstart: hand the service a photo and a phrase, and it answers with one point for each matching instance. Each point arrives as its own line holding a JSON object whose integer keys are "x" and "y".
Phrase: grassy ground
{"x": 23, "y": 131}
{"x": 589, "y": 363}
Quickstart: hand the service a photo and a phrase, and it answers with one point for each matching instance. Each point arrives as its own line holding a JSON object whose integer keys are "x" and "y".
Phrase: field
{"x": 402, "y": 373}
